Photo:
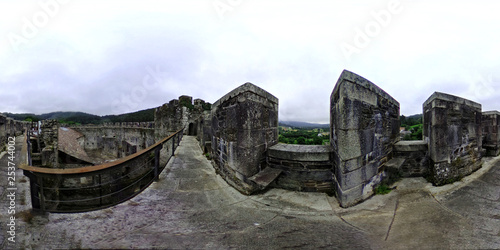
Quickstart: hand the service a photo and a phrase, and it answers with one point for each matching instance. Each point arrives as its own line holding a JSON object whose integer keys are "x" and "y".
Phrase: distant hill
{"x": 76, "y": 117}
{"x": 84, "y": 118}
{"x": 295, "y": 124}
{"x": 411, "y": 120}
{"x": 147, "y": 115}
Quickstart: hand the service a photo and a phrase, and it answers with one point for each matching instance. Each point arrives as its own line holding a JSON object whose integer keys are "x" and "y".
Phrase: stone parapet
{"x": 304, "y": 167}
{"x": 415, "y": 156}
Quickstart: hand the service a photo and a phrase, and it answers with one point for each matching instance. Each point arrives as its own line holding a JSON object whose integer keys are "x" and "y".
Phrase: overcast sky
{"x": 110, "y": 57}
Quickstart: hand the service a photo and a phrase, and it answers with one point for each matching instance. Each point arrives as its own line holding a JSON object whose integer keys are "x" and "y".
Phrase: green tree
{"x": 301, "y": 140}
{"x": 318, "y": 141}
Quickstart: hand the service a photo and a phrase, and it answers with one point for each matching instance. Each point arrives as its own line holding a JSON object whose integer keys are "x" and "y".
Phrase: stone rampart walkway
{"x": 192, "y": 208}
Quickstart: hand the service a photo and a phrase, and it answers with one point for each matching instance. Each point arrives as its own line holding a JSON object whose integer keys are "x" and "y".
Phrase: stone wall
{"x": 415, "y": 156}
{"x": 304, "y": 167}
{"x": 204, "y": 131}
{"x": 117, "y": 125}
{"x": 103, "y": 143}
{"x": 364, "y": 124}
{"x": 178, "y": 114}
{"x": 49, "y": 143}
{"x": 169, "y": 118}
{"x": 452, "y": 128}
{"x": 244, "y": 125}
{"x": 10, "y": 127}
{"x": 491, "y": 137}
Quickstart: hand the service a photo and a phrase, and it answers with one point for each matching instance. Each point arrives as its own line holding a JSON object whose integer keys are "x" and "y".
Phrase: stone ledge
{"x": 361, "y": 81}
{"x": 451, "y": 98}
{"x": 247, "y": 87}
{"x": 265, "y": 177}
{"x": 300, "y": 152}
{"x": 410, "y": 146}
{"x": 494, "y": 112}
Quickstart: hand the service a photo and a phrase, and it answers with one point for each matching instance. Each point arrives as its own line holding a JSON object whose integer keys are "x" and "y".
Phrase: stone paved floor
{"x": 191, "y": 207}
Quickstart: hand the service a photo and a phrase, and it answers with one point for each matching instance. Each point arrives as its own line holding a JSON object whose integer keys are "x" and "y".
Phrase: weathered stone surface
{"x": 179, "y": 114}
{"x": 10, "y": 127}
{"x": 363, "y": 191}
{"x": 190, "y": 207}
{"x": 364, "y": 124}
{"x": 265, "y": 177}
{"x": 300, "y": 152}
{"x": 204, "y": 131}
{"x": 491, "y": 135}
{"x": 416, "y": 158}
{"x": 305, "y": 167}
{"x": 104, "y": 143}
{"x": 49, "y": 141}
{"x": 452, "y": 128}
{"x": 244, "y": 125}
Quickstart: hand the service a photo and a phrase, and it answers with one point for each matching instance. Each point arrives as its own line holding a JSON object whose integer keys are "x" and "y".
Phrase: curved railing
{"x": 101, "y": 186}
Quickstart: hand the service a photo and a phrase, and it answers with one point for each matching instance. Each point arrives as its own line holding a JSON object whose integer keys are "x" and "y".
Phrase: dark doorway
{"x": 192, "y": 129}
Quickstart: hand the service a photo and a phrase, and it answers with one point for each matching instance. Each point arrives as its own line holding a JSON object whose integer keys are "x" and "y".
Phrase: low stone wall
{"x": 415, "y": 155}
{"x": 304, "y": 167}
{"x": 452, "y": 128}
{"x": 491, "y": 135}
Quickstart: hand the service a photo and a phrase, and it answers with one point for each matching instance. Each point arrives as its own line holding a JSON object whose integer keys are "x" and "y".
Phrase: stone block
{"x": 349, "y": 143}
{"x": 364, "y": 126}
{"x": 348, "y": 180}
{"x": 491, "y": 136}
{"x": 247, "y": 119}
{"x": 357, "y": 194}
{"x": 453, "y": 131}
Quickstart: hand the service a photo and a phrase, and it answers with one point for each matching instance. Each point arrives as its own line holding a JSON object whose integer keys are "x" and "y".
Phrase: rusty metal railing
{"x": 101, "y": 186}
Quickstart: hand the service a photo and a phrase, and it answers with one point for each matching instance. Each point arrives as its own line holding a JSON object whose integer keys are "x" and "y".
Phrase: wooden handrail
{"x": 97, "y": 167}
